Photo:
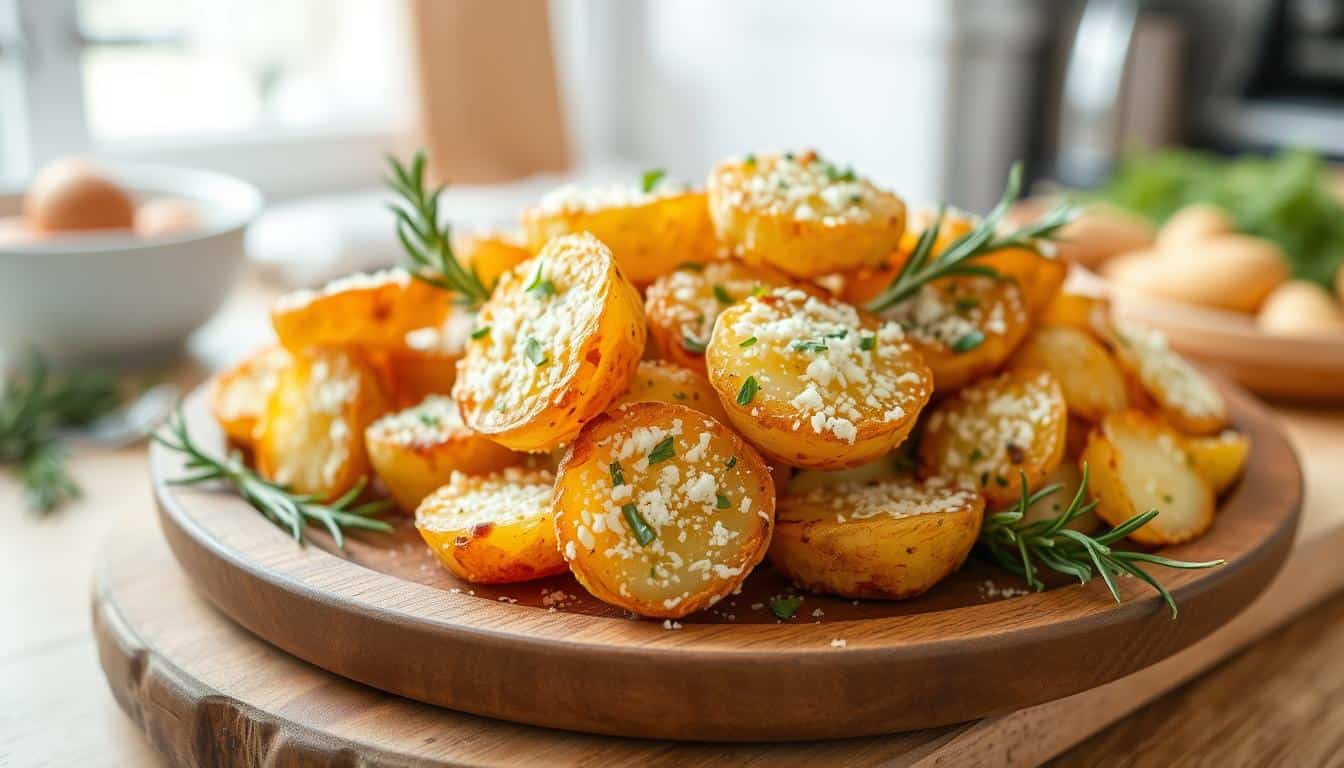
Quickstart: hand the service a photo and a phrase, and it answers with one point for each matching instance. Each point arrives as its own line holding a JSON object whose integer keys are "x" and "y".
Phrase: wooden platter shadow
{"x": 545, "y": 653}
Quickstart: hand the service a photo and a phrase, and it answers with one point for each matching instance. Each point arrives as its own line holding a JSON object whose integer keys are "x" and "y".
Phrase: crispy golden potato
{"x": 955, "y": 225}
{"x": 240, "y": 393}
{"x": 1136, "y": 463}
{"x": 649, "y": 233}
{"x": 662, "y": 510}
{"x": 964, "y": 327}
{"x": 376, "y": 309}
{"x": 892, "y": 539}
{"x": 1092, "y": 381}
{"x": 557, "y": 341}
{"x": 657, "y": 381}
{"x": 1068, "y": 477}
{"x": 311, "y": 438}
{"x": 814, "y": 384}
{"x": 1077, "y": 310}
{"x": 1038, "y": 277}
{"x": 417, "y": 450}
{"x": 893, "y": 466}
{"x": 681, "y": 307}
{"x": 426, "y": 362}
{"x": 1187, "y": 400}
{"x": 989, "y": 433}
{"x": 1219, "y": 459}
{"x": 493, "y": 529}
{"x": 803, "y": 214}
{"x": 490, "y": 255}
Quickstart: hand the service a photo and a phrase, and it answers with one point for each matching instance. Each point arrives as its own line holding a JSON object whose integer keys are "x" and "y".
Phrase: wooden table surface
{"x": 1281, "y": 702}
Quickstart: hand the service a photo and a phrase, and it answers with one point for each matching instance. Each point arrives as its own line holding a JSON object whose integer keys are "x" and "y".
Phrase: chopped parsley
{"x": 638, "y": 525}
{"x": 693, "y": 345}
{"x": 663, "y": 451}
{"x": 1001, "y": 480}
{"x": 617, "y": 476}
{"x": 540, "y": 286}
{"x": 429, "y": 420}
{"x": 969, "y": 341}
{"x": 722, "y": 294}
{"x": 751, "y": 340}
{"x": 748, "y": 391}
{"x": 808, "y": 346}
{"x": 721, "y": 501}
{"x": 649, "y": 180}
{"x": 749, "y": 161}
{"x": 840, "y": 334}
{"x": 785, "y": 607}
{"x": 679, "y": 395}
{"x": 868, "y": 343}
{"x": 835, "y": 173}
{"x": 480, "y": 333}
{"x": 977, "y": 454}
{"x": 732, "y": 462}
{"x": 535, "y": 353}
{"x": 966, "y": 305}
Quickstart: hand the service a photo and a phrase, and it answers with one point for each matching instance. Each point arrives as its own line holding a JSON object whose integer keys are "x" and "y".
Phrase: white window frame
{"x": 42, "y": 117}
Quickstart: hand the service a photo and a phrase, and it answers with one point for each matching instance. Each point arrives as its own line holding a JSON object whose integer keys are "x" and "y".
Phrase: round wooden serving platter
{"x": 384, "y": 613}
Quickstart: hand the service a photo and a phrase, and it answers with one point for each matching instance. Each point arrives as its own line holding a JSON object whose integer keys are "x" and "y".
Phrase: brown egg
{"x": 71, "y": 195}
{"x": 166, "y": 216}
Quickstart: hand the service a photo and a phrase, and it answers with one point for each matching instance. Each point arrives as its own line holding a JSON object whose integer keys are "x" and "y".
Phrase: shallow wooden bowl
{"x": 384, "y": 613}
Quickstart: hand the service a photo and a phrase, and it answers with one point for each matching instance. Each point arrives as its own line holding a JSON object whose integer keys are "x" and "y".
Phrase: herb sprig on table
{"x": 427, "y": 242}
{"x": 291, "y": 511}
{"x": 1024, "y": 547}
{"x": 35, "y": 405}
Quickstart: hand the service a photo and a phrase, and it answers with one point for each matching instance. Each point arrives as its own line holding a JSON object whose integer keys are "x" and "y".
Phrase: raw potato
{"x": 1219, "y": 459}
{"x": 1135, "y": 463}
{"x": 376, "y": 309}
{"x": 821, "y": 387}
{"x": 989, "y": 433}
{"x": 649, "y": 234}
{"x": 682, "y": 306}
{"x": 888, "y": 540}
{"x": 1188, "y": 227}
{"x": 240, "y": 393}
{"x": 1299, "y": 308}
{"x": 662, "y": 510}
{"x": 558, "y": 341}
{"x": 657, "y": 381}
{"x": 802, "y": 214}
{"x": 1069, "y": 477}
{"x": 417, "y": 450}
{"x": 1234, "y": 272}
{"x": 1100, "y": 233}
{"x": 1092, "y": 381}
{"x": 493, "y": 529}
{"x": 1187, "y": 399}
{"x": 311, "y": 438}
{"x": 491, "y": 255}
{"x": 964, "y": 327}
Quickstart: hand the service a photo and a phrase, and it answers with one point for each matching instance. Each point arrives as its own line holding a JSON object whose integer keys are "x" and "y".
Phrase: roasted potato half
{"x": 1092, "y": 381}
{"x": 658, "y": 381}
{"x": 891, "y": 467}
{"x": 802, "y": 214}
{"x": 989, "y": 433}
{"x": 649, "y": 233}
{"x": 1038, "y": 277}
{"x": 1076, "y": 310}
{"x": 814, "y": 384}
{"x": 682, "y": 306}
{"x": 1136, "y": 463}
{"x": 1187, "y": 400}
{"x": 376, "y": 310}
{"x": 418, "y": 449}
{"x": 892, "y": 539}
{"x": 964, "y": 327}
{"x": 556, "y": 342}
{"x": 490, "y": 255}
{"x": 240, "y": 393}
{"x": 1220, "y": 458}
{"x": 311, "y": 438}
{"x": 662, "y": 510}
{"x": 493, "y": 529}
{"x": 1068, "y": 477}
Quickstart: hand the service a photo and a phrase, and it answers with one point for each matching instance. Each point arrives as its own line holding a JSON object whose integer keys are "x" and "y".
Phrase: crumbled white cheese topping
{"x": 896, "y": 498}
{"x": 572, "y": 198}
{"x": 433, "y": 421}
{"x": 359, "y": 281}
{"x": 944, "y": 312}
{"x": 803, "y": 186}
{"x": 1167, "y": 375}
{"x": 502, "y": 498}
{"x": 993, "y": 423}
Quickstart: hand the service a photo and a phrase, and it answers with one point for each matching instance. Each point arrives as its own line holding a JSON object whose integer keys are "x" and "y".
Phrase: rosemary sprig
{"x": 957, "y": 258}
{"x": 1019, "y": 547}
{"x": 427, "y": 242}
{"x": 291, "y": 511}
{"x": 34, "y": 405}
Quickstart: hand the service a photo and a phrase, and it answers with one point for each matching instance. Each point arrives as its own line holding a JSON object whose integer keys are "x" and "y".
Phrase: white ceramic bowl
{"x": 113, "y": 296}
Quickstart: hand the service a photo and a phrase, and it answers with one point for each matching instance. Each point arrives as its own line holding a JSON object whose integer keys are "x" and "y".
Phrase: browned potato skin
{"x": 879, "y": 557}
{"x": 1092, "y": 382}
{"x": 586, "y": 459}
{"x": 647, "y": 240}
{"x": 658, "y": 381}
{"x": 488, "y": 552}
{"x": 294, "y": 437}
{"x": 1038, "y": 277}
{"x": 377, "y": 315}
{"x": 1219, "y": 459}
{"x": 490, "y": 256}
{"x": 1076, "y": 310}
{"x": 238, "y": 398}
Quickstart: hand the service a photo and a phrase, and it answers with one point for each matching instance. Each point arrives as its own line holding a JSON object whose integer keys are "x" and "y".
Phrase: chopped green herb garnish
{"x": 649, "y": 180}
{"x": 638, "y": 525}
{"x": 967, "y": 304}
{"x": 693, "y": 266}
{"x": 679, "y": 395}
{"x": 758, "y": 290}
{"x": 750, "y": 340}
{"x": 868, "y": 343}
{"x": 693, "y": 345}
{"x": 835, "y": 173}
{"x": 788, "y": 156}
{"x": 429, "y": 420}
{"x": 969, "y": 341}
{"x": 721, "y": 501}
{"x": 785, "y": 607}
{"x": 1167, "y": 498}
{"x": 1001, "y": 480}
{"x": 732, "y": 462}
{"x": 663, "y": 451}
{"x": 535, "y": 353}
{"x": 617, "y": 476}
{"x": 722, "y": 294}
{"x": 480, "y": 333}
{"x": 977, "y": 454}
{"x": 984, "y": 479}
{"x": 749, "y": 161}
{"x": 840, "y": 334}
{"x": 808, "y": 346}
{"x": 748, "y": 391}
{"x": 540, "y": 286}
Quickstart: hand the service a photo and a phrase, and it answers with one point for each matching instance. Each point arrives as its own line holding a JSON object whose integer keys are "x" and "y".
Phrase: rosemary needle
{"x": 428, "y": 243}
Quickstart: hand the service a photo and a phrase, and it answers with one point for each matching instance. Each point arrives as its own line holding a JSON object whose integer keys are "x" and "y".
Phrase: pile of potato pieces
{"x": 660, "y": 437}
